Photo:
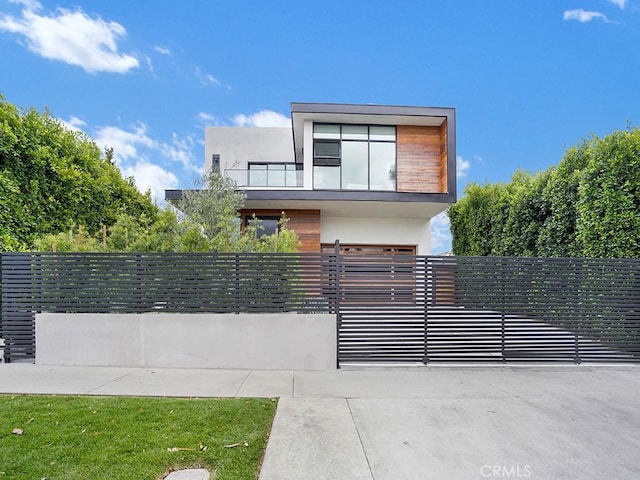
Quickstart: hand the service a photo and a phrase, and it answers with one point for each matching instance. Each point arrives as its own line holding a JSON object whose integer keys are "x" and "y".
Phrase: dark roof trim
{"x": 452, "y": 169}
{"x": 355, "y": 109}
{"x": 332, "y": 195}
{"x": 364, "y": 196}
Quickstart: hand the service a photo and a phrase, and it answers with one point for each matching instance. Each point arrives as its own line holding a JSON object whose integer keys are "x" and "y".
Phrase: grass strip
{"x": 73, "y": 437}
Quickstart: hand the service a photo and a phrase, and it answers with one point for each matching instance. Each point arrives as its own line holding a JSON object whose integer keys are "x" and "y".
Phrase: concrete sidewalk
{"x": 556, "y": 422}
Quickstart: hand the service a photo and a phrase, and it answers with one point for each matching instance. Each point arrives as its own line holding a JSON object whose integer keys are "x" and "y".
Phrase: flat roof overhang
{"x": 353, "y": 203}
{"x": 345, "y": 204}
{"x": 354, "y": 209}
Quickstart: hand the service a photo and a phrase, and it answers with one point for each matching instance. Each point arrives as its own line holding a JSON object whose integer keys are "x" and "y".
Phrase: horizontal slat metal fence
{"x": 488, "y": 309}
{"x": 157, "y": 282}
{"x": 391, "y": 308}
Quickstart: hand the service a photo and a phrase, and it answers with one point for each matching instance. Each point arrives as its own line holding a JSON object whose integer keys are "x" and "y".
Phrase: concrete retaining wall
{"x": 244, "y": 341}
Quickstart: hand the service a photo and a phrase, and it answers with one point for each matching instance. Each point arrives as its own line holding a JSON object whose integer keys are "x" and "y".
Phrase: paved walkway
{"x": 556, "y": 422}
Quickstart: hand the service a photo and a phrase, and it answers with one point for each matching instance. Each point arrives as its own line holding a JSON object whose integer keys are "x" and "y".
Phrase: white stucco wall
{"x": 308, "y": 155}
{"x": 267, "y": 341}
{"x": 378, "y": 231}
{"x": 239, "y": 145}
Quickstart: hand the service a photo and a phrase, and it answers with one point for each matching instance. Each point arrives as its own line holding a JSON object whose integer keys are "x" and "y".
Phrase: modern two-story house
{"x": 371, "y": 176}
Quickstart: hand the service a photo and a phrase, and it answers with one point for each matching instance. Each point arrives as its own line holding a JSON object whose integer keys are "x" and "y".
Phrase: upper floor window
{"x": 354, "y": 157}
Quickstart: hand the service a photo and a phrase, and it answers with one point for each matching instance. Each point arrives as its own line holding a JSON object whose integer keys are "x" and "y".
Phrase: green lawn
{"x": 125, "y": 438}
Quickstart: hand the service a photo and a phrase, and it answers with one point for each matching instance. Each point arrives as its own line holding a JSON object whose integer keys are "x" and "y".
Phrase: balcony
{"x": 273, "y": 175}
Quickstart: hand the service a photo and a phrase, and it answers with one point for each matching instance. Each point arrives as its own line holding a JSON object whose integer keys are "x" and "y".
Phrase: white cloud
{"x": 462, "y": 166}
{"x": 207, "y": 119}
{"x": 134, "y": 147}
{"x": 207, "y": 78}
{"x": 135, "y": 144}
{"x": 74, "y": 124}
{"x": 619, "y": 3}
{"x": 181, "y": 150}
{"x": 125, "y": 144}
{"x": 583, "y": 16}
{"x": 264, "y": 118}
{"x": 162, "y": 50}
{"x": 30, "y": 4}
{"x": 440, "y": 234}
{"x": 72, "y": 37}
{"x": 149, "y": 63}
{"x": 149, "y": 176}
{"x": 211, "y": 79}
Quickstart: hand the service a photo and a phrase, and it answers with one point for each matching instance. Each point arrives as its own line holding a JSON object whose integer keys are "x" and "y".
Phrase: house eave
{"x": 349, "y": 195}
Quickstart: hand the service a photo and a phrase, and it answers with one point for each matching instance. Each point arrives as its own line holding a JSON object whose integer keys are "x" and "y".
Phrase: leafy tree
{"x": 558, "y": 236}
{"x": 187, "y": 232}
{"x": 528, "y": 210}
{"x": 477, "y": 220}
{"x": 216, "y": 206}
{"x": 52, "y": 178}
{"x": 609, "y": 197}
{"x": 74, "y": 240}
{"x": 57, "y": 192}
{"x": 283, "y": 240}
{"x": 130, "y": 234}
{"x": 589, "y": 206}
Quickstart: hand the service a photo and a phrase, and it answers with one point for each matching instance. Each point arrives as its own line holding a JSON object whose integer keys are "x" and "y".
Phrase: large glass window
{"x": 326, "y": 178}
{"x": 354, "y": 157}
{"x": 322, "y": 130}
{"x": 382, "y": 165}
{"x": 355, "y": 166}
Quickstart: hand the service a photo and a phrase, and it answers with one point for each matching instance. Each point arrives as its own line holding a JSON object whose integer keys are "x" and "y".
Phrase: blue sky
{"x": 528, "y": 79}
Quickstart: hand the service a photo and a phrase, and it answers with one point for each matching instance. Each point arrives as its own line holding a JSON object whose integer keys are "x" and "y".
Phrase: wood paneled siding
{"x": 306, "y": 224}
{"x": 444, "y": 155}
{"x": 422, "y": 159}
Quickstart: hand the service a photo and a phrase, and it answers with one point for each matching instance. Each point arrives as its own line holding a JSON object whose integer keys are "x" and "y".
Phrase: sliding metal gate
{"x": 401, "y": 308}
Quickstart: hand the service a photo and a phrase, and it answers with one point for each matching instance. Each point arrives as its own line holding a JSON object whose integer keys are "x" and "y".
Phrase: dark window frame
{"x": 327, "y": 141}
{"x": 261, "y": 218}
{"x": 297, "y": 165}
{"x": 324, "y": 161}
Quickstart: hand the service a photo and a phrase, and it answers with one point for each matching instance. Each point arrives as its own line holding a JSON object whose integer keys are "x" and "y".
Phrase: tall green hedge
{"x": 587, "y": 206}
{"x": 52, "y": 178}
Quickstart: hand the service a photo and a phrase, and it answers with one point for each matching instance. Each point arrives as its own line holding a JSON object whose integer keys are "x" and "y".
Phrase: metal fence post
{"x": 237, "y": 285}
{"x": 503, "y": 294}
{"x": 1, "y": 309}
{"x": 425, "y": 359}
{"x": 502, "y": 336}
{"x": 338, "y": 300}
{"x": 1, "y": 271}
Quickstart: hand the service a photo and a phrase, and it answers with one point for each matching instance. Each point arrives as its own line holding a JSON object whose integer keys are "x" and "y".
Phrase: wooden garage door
{"x": 376, "y": 273}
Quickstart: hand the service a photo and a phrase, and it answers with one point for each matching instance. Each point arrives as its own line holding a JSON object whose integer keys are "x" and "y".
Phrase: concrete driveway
{"x": 536, "y": 422}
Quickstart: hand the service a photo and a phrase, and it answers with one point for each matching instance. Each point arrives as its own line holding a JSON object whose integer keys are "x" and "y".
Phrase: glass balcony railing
{"x": 271, "y": 177}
